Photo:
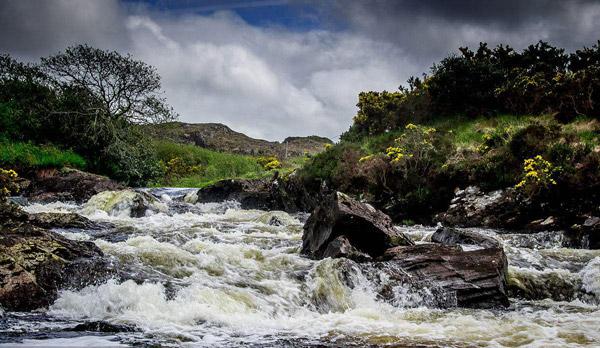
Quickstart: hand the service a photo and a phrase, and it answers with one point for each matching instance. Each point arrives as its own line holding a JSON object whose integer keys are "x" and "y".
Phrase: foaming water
{"x": 216, "y": 275}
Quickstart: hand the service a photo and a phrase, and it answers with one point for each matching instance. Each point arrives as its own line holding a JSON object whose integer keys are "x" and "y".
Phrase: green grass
{"x": 214, "y": 165}
{"x": 27, "y": 155}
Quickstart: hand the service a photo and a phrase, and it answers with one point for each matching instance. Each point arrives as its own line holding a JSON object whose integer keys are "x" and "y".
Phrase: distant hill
{"x": 219, "y": 137}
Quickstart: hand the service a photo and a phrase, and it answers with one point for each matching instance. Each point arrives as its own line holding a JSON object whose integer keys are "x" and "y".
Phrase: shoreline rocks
{"x": 35, "y": 263}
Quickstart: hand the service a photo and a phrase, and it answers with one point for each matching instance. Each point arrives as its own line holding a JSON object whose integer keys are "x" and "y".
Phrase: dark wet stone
{"x": 476, "y": 278}
{"x": 102, "y": 326}
{"x": 453, "y": 236}
{"x": 365, "y": 229}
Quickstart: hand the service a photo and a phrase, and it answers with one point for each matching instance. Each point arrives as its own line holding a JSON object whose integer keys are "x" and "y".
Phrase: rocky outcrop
{"x": 473, "y": 279}
{"x": 473, "y": 208}
{"x": 275, "y": 194}
{"x": 453, "y": 236}
{"x": 67, "y": 185}
{"x": 35, "y": 263}
{"x": 365, "y": 229}
{"x": 125, "y": 203}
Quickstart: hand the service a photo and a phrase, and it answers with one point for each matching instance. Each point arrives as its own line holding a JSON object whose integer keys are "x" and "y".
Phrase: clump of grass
{"x": 28, "y": 155}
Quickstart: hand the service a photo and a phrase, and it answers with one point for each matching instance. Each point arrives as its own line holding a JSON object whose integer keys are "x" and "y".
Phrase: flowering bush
{"x": 414, "y": 150}
{"x": 7, "y": 182}
{"x": 269, "y": 162}
{"x": 177, "y": 167}
{"x": 537, "y": 175}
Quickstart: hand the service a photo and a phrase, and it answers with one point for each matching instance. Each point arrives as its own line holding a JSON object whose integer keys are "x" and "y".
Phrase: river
{"x": 215, "y": 275}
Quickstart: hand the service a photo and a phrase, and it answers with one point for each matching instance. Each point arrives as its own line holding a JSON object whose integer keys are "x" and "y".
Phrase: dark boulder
{"x": 453, "y": 236}
{"x": 473, "y": 279}
{"x": 286, "y": 194}
{"x": 365, "y": 229}
{"x": 67, "y": 185}
{"x": 35, "y": 263}
{"x": 473, "y": 208}
{"x": 102, "y": 326}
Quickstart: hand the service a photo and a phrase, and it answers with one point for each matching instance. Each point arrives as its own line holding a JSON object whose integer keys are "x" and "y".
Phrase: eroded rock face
{"x": 67, "y": 185}
{"x": 364, "y": 228}
{"x": 35, "y": 263}
{"x": 452, "y": 236}
{"x": 473, "y": 279}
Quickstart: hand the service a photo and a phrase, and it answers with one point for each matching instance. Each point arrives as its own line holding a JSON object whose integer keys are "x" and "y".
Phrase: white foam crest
{"x": 54, "y": 207}
{"x": 82, "y": 341}
{"x": 590, "y": 277}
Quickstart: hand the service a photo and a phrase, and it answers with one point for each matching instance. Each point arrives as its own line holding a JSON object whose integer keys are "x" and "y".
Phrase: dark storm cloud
{"x": 429, "y": 30}
{"x": 29, "y": 29}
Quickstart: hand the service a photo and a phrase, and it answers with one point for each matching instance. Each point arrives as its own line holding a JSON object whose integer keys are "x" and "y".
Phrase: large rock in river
{"x": 67, "y": 185}
{"x": 287, "y": 194}
{"x": 366, "y": 231}
{"x": 35, "y": 263}
{"x": 474, "y": 279}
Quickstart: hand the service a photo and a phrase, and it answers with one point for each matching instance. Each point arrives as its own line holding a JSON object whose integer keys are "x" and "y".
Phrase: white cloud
{"x": 269, "y": 83}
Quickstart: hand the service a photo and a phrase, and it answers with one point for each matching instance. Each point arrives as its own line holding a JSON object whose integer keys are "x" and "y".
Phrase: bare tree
{"x": 125, "y": 89}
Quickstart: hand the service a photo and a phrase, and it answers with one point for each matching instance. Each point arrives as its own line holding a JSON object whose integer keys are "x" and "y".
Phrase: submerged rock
{"x": 67, "y": 185}
{"x": 530, "y": 284}
{"x": 35, "y": 263}
{"x": 453, "y": 236}
{"x": 474, "y": 279}
{"x": 365, "y": 229}
{"x": 125, "y": 203}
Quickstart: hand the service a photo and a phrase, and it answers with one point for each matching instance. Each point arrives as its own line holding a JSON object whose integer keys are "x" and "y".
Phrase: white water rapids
{"x": 215, "y": 275}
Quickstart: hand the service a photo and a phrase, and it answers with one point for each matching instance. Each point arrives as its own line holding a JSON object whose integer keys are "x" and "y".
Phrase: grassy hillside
{"x": 193, "y": 166}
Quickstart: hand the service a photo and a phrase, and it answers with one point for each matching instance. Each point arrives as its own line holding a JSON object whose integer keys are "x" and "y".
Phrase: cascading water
{"x": 216, "y": 275}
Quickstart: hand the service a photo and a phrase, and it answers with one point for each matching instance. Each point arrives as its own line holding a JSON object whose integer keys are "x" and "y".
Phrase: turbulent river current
{"x": 216, "y": 275}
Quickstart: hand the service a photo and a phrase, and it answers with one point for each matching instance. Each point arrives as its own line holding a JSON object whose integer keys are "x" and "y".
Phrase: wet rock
{"x": 585, "y": 234}
{"x": 102, "y": 326}
{"x": 35, "y": 263}
{"x": 287, "y": 194}
{"x": 476, "y": 278}
{"x": 60, "y": 220}
{"x": 125, "y": 203}
{"x": 341, "y": 247}
{"x": 366, "y": 229}
{"x": 252, "y": 194}
{"x": 67, "y": 185}
{"x": 548, "y": 224}
{"x": 473, "y": 208}
{"x": 453, "y": 236}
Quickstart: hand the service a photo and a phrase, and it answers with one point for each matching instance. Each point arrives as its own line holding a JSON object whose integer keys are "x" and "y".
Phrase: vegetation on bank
{"x": 87, "y": 101}
{"x": 28, "y": 155}
{"x": 193, "y": 166}
{"x": 495, "y": 118}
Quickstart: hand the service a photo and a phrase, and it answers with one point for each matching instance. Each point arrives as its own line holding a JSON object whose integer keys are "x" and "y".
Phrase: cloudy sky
{"x": 276, "y": 68}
